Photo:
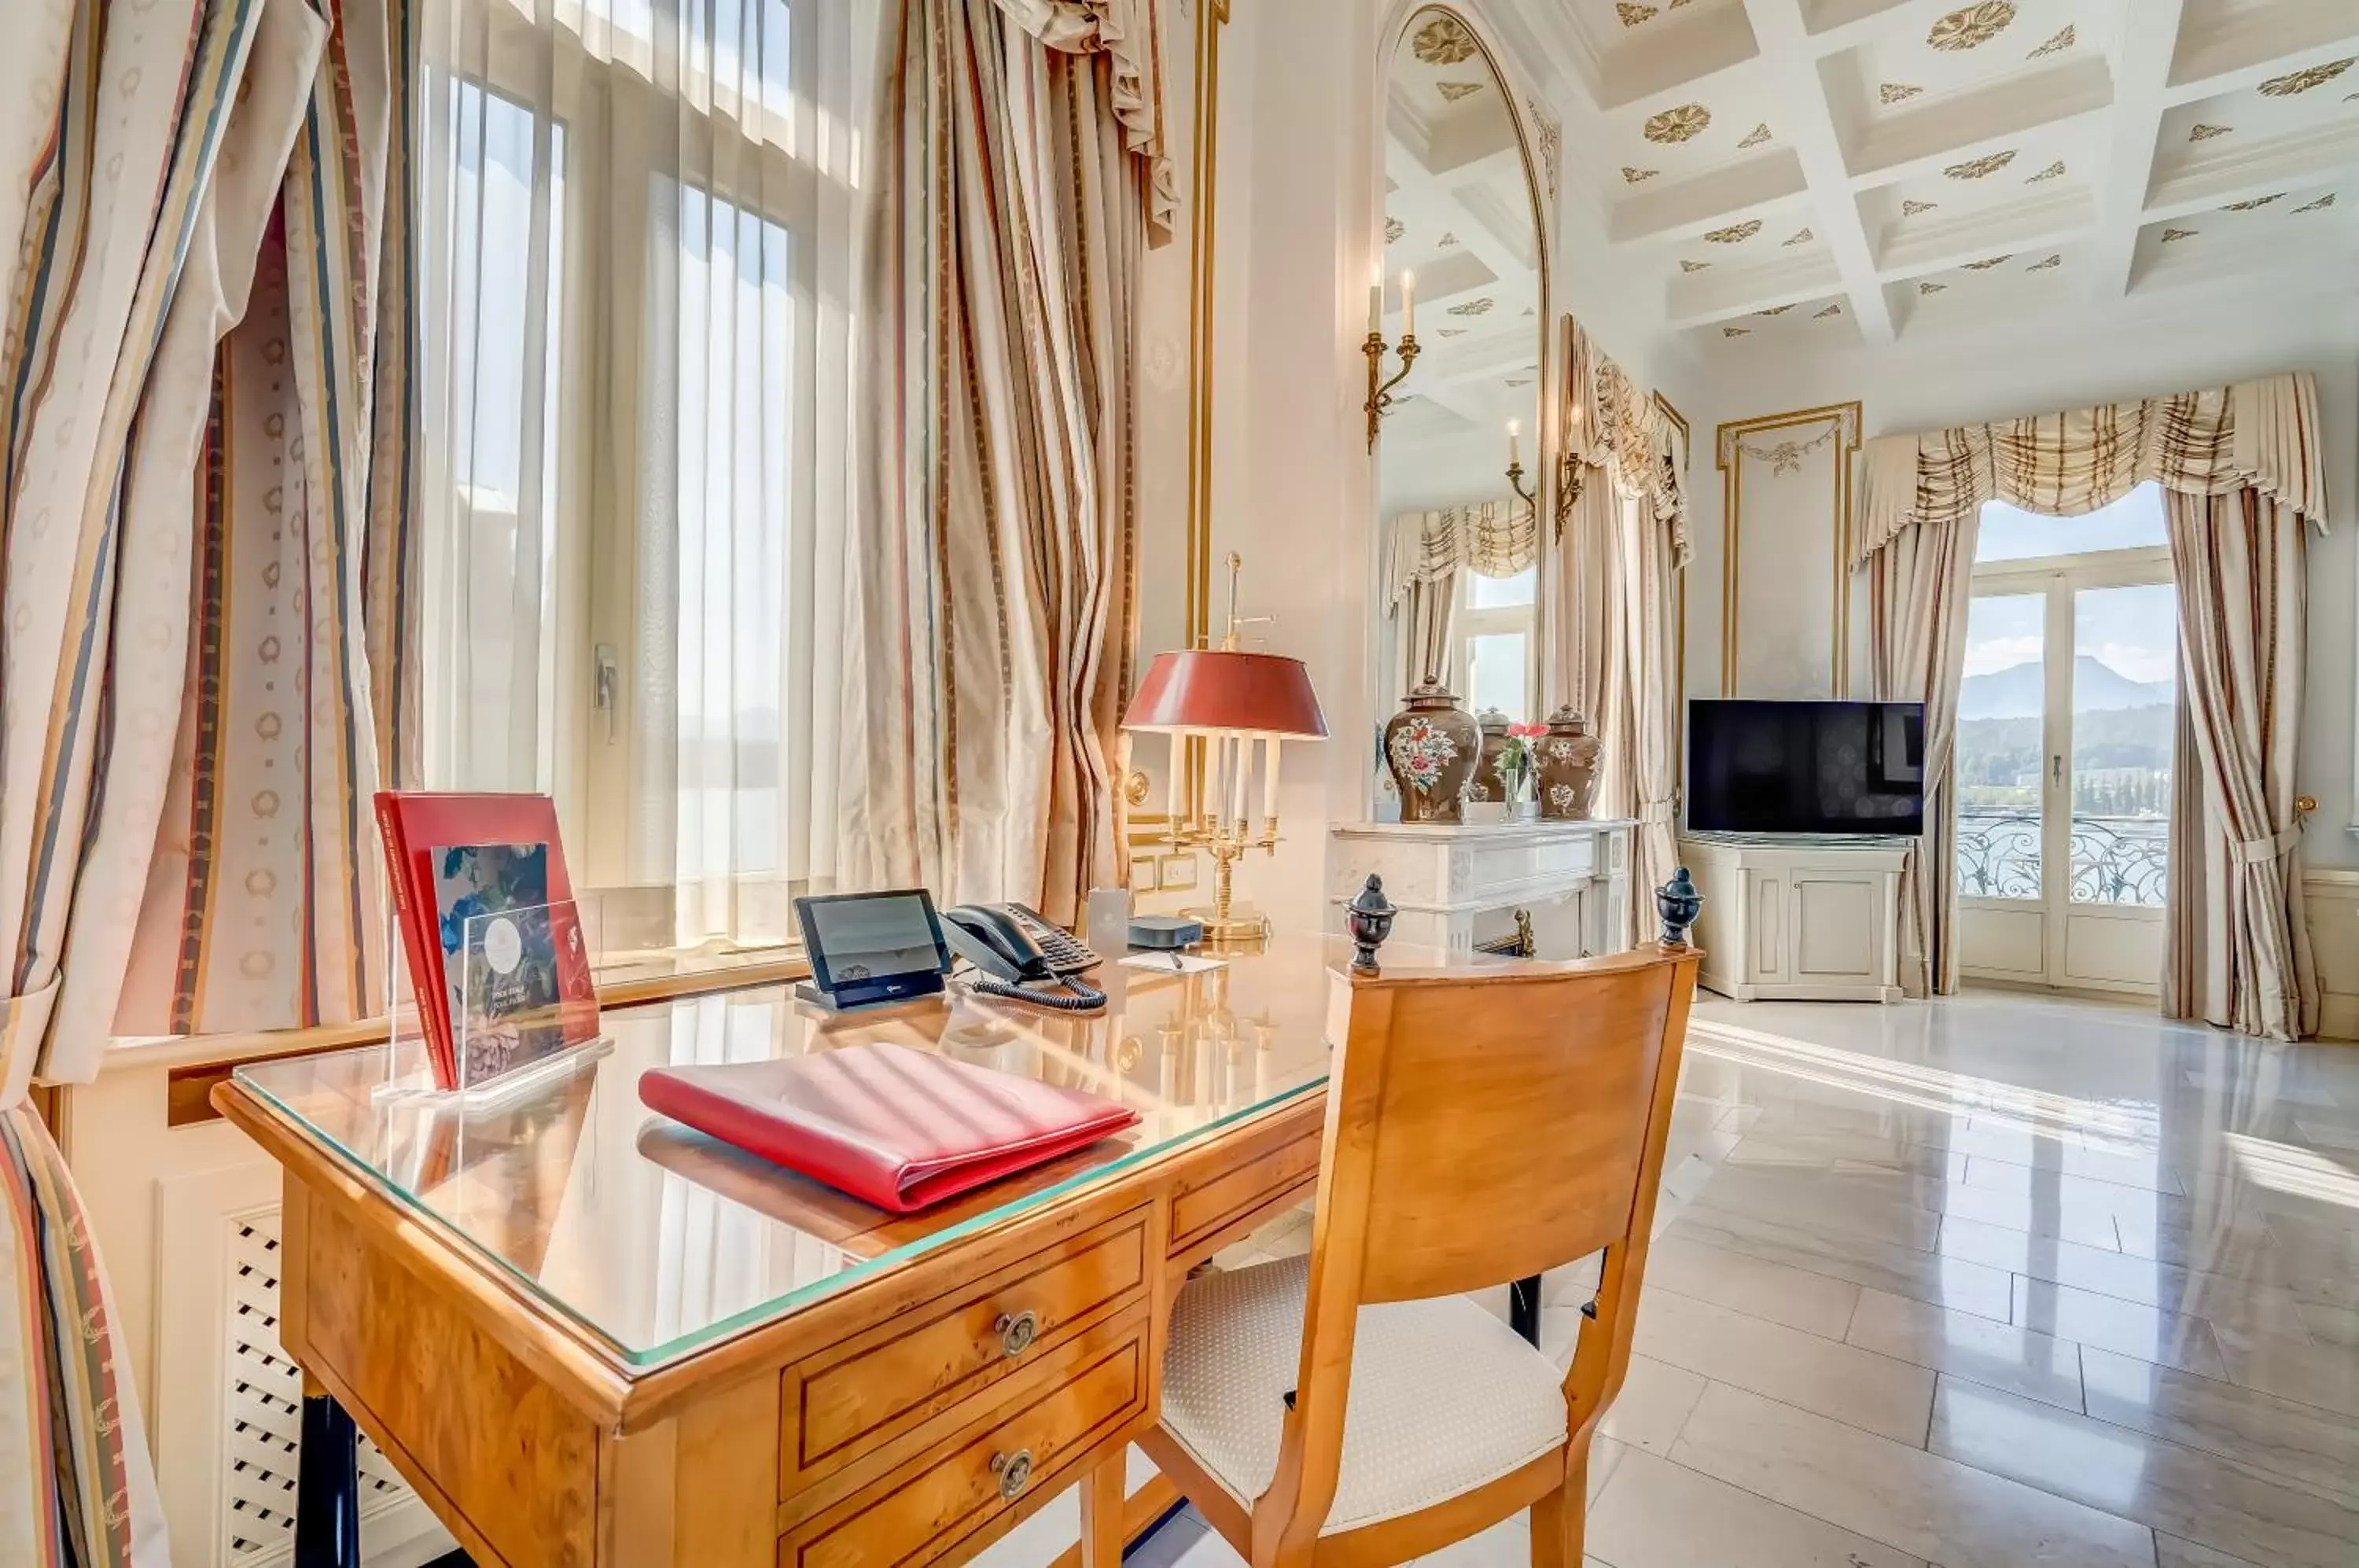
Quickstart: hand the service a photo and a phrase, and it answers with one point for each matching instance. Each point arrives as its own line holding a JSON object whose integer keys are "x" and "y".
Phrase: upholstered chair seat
{"x": 1444, "y": 1397}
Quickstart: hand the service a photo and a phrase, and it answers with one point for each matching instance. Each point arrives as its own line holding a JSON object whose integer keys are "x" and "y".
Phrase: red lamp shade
{"x": 1215, "y": 689}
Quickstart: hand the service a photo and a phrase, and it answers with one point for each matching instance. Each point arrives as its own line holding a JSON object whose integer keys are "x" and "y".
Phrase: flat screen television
{"x": 1806, "y": 767}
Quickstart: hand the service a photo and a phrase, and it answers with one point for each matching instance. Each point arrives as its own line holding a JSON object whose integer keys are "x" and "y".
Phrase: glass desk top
{"x": 658, "y": 1240}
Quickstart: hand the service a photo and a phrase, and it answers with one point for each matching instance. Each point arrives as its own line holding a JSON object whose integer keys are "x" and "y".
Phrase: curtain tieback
{"x": 23, "y": 1026}
{"x": 1659, "y": 814}
{"x": 2258, "y": 851}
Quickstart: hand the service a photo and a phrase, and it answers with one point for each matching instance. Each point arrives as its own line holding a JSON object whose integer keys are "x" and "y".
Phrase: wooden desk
{"x": 588, "y": 1336}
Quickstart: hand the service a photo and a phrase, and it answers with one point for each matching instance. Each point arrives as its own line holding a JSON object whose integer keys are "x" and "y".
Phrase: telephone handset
{"x": 1010, "y": 946}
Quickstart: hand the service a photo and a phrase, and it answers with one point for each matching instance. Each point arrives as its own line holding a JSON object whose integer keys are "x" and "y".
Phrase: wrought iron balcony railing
{"x": 2115, "y": 860}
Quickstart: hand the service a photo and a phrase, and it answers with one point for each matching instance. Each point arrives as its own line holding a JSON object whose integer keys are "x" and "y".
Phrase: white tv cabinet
{"x": 1461, "y": 888}
{"x": 1797, "y": 917}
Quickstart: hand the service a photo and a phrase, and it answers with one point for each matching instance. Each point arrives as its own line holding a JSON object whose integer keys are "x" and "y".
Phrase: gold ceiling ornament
{"x": 1910, "y": 209}
{"x": 1736, "y": 331}
{"x": 2172, "y": 236}
{"x": 1687, "y": 265}
{"x": 2255, "y": 201}
{"x": 2053, "y": 171}
{"x": 1452, "y": 91}
{"x": 2321, "y": 205}
{"x": 2055, "y": 260}
{"x": 1972, "y": 26}
{"x": 1774, "y": 311}
{"x": 1632, "y": 15}
{"x": 1735, "y": 234}
{"x": 1473, "y": 307}
{"x": 1394, "y": 229}
{"x": 2303, "y": 81}
{"x": 1830, "y": 310}
{"x": 1898, "y": 92}
{"x": 2204, "y": 133}
{"x": 1978, "y": 167}
{"x": 1443, "y": 41}
{"x": 1799, "y": 236}
{"x": 1683, "y": 123}
{"x": 1548, "y": 135}
{"x": 2055, "y": 45}
{"x": 1637, "y": 176}
{"x": 1932, "y": 288}
{"x": 1755, "y": 137}
{"x": 1988, "y": 262}
{"x": 1448, "y": 333}
{"x": 1446, "y": 241}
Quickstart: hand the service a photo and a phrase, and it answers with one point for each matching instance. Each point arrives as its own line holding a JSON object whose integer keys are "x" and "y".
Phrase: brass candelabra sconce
{"x": 1380, "y": 386}
{"x": 1516, "y": 467}
{"x": 1568, "y": 489}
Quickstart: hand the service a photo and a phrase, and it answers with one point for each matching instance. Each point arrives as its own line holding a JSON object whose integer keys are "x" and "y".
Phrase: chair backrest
{"x": 1483, "y": 1125}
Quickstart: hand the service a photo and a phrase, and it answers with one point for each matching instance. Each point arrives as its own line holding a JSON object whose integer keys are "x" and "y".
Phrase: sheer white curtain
{"x": 639, "y": 258}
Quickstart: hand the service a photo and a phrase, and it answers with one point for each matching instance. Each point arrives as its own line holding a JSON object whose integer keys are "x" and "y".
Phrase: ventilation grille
{"x": 263, "y": 1410}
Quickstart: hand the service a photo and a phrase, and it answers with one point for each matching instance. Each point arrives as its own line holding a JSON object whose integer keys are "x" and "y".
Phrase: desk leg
{"x": 1524, "y": 1308}
{"x": 1102, "y": 1511}
{"x": 327, "y": 1486}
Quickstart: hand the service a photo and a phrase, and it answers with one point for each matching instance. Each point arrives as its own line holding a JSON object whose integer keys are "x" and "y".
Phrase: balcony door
{"x": 2067, "y": 725}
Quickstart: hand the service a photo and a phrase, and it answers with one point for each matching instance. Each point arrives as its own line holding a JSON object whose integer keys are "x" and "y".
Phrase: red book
{"x": 900, "y": 1127}
{"x": 488, "y": 925}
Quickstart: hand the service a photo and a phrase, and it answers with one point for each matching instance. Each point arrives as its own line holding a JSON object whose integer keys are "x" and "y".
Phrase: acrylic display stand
{"x": 499, "y": 1005}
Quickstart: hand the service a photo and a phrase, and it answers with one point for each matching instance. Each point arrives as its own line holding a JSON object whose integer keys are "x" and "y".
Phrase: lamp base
{"x": 1244, "y": 929}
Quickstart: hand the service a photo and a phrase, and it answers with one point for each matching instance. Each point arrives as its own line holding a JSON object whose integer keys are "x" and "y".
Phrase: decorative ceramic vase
{"x": 1432, "y": 747}
{"x": 1568, "y": 769}
{"x": 1490, "y": 780}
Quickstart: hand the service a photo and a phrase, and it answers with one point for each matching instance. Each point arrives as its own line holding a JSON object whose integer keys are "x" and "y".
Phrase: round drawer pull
{"x": 1013, "y": 1470}
{"x": 1018, "y": 1332}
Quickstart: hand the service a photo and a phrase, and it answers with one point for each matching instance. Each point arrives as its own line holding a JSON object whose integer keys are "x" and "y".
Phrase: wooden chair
{"x": 1352, "y": 1407}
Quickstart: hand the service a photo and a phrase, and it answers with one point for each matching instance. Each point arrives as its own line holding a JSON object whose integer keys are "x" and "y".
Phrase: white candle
{"x": 1243, "y": 745}
{"x": 1513, "y": 430}
{"x": 1409, "y": 304}
{"x": 1269, "y": 780}
{"x": 1172, "y": 764}
{"x": 1375, "y": 310}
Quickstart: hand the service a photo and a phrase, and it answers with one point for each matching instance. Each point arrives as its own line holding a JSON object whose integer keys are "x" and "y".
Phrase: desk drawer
{"x": 994, "y": 1471}
{"x": 1226, "y": 1189}
{"x": 871, "y": 1390}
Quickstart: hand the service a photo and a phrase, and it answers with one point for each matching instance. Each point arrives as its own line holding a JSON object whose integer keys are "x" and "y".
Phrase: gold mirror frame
{"x": 1544, "y": 433}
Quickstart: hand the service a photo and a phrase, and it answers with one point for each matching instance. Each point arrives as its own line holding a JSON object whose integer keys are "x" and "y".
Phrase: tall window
{"x": 2067, "y": 719}
{"x": 641, "y": 274}
{"x": 1498, "y": 641}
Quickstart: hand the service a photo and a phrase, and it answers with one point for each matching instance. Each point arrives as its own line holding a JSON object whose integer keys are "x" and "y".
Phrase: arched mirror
{"x": 1460, "y": 465}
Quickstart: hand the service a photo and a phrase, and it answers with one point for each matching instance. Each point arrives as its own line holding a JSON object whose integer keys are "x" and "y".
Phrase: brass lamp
{"x": 1229, "y": 699}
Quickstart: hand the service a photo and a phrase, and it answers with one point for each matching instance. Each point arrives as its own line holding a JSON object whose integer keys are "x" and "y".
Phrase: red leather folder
{"x": 900, "y": 1127}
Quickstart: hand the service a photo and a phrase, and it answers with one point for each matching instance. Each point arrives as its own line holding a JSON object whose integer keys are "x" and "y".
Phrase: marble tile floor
{"x": 1994, "y": 1280}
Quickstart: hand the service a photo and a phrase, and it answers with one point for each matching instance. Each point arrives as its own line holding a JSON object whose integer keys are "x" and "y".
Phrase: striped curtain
{"x": 993, "y": 605}
{"x": 182, "y": 542}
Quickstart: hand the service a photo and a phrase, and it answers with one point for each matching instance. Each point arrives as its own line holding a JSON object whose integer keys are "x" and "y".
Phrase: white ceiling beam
{"x": 2149, "y": 31}
{"x": 1793, "y": 56}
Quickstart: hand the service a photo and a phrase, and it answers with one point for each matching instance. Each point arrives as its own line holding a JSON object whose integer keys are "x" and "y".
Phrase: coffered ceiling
{"x": 1839, "y": 170}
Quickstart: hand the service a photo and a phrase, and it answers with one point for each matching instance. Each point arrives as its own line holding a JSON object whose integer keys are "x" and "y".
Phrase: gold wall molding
{"x": 1212, "y": 18}
{"x": 1730, "y": 454}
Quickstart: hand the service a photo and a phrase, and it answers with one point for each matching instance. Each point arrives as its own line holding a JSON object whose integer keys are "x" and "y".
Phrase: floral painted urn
{"x": 1568, "y": 766}
{"x": 1432, "y": 747}
{"x": 1490, "y": 780}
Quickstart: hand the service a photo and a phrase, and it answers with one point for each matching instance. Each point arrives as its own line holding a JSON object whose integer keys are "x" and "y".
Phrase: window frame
{"x": 1469, "y": 622}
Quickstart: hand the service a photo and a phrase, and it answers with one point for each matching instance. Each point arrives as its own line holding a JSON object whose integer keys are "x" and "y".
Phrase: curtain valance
{"x": 2263, "y": 434}
{"x": 1615, "y": 424}
{"x": 1490, "y": 539}
{"x": 1126, "y": 31}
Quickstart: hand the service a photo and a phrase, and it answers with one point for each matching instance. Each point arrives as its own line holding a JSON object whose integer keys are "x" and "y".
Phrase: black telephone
{"x": 1009, "y": 945}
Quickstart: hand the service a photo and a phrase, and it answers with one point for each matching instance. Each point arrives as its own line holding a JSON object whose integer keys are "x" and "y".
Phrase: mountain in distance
{"x": 2019, "y": 690}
